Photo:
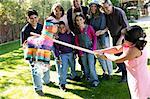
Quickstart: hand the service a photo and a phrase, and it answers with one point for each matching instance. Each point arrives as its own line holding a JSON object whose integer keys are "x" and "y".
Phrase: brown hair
{"x": 79, "y": 15}
{"x": 54, "y": 7}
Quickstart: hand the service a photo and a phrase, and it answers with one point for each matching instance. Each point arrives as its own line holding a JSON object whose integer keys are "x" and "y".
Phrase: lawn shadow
{"x": 82, "y": 83}
{"x": 52, "y": 84}
{"x": 52, "y": 96}
{"x": 11, "y": 60}
{"x": 81, "y": 93}
{"x": 14, "y": 55}
{"x": 103, "y": 88}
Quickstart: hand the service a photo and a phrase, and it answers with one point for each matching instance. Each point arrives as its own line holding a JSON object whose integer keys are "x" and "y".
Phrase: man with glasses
{"x": 117, "y": 23}
{"x": 33, "y": 28}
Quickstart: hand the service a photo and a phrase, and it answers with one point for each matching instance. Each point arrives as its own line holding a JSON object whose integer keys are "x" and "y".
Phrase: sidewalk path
{"x": 144, "y": 19}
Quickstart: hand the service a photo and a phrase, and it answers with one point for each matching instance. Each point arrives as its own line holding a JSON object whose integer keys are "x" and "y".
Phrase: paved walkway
{"x": 144, "y": 19}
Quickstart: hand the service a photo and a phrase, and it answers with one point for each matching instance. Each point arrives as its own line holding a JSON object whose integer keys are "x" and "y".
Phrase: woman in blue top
{"x": 98, "y": 21}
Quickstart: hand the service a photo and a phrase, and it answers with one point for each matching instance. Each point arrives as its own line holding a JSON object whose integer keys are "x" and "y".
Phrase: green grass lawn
{"x": 8, "y": 47}
{"x": 16, "y": 82}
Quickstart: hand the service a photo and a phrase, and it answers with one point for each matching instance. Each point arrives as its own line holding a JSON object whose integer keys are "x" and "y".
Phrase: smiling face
{"x": 76, "y": 3}
{"x": 58, "y": 12}
{"x": 108, "y": 9}
{"x": 93, "y": 8}
{"x": 62, "y": 28}
{"x": 80, "y": 21}
{"x": 33, "y": 20}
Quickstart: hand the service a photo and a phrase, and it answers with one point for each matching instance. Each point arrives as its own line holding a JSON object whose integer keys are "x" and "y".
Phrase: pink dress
{"x": 138, "y": 76}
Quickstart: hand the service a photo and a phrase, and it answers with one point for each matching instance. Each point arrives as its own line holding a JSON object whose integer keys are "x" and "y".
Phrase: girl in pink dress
{"x": 135, "y": 57}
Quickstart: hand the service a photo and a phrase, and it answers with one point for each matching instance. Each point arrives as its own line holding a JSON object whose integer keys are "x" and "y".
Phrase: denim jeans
{"x": 89, "y": 67}
{"x": 67, "y": 60}
{"x": 38, "y": 76}
{"x": 104, "y": 42}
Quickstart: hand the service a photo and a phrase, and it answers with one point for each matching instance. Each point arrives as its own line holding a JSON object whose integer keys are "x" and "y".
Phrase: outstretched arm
{"x": 129, "y": 55}
{"x": 110, "y": 50}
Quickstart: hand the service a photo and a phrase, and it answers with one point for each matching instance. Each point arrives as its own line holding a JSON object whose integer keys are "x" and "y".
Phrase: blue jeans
{"x": 67, "y": 60}
{"x": 89, "y": 67}
{"x": 39, "y": 77}
{"x": 104, "y": 42}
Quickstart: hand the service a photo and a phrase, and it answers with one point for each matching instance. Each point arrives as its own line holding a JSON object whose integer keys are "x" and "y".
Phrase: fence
{"x": 9, "y": 32}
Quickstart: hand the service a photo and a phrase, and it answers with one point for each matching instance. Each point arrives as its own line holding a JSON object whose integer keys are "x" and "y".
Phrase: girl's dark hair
{"x": 61, "y": 23}
{"x": 136, "y": 35}
{"x": 31, "y": 12}
{"x": 54, "y": 7}
{"x": 77, "y": 30}
{"x": 79, "y": 15}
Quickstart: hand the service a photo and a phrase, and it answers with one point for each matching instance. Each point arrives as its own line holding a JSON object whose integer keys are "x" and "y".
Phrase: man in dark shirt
{"x": 117, "y": 24}
{"x": 30, "y": 29}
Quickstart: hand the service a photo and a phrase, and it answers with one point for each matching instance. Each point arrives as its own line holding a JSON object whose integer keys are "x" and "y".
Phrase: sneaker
{"x": 84, "y": 78}
{"x": 110, "y": 77}
{"x": 63, "y": 87}
{"x": 104, "y": 76}
{"x": 95, "y": 84}
{"x": 40, "y": 92}
{"x": 123, "y": 80}
{"x": 50, "y": 83}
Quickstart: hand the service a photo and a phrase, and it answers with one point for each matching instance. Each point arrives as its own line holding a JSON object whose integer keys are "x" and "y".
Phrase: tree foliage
{"x": 14, "y": 11}
{"x": 11, "y": 12}
{"x": 115, "y": 2}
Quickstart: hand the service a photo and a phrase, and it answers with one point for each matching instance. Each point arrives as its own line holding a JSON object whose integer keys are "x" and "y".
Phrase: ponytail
{"x": 140, "y": 44}
{"x": 136, "y": 35}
